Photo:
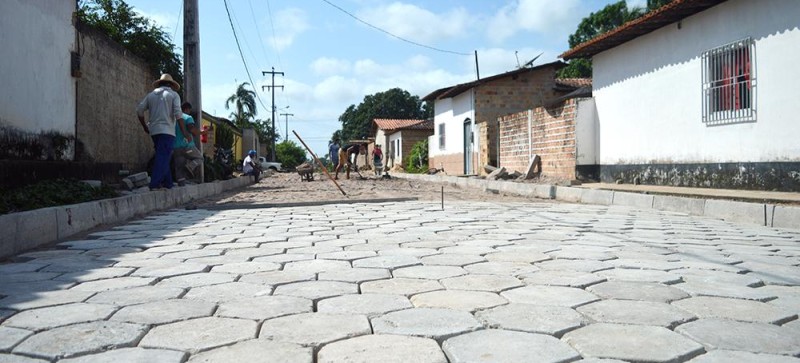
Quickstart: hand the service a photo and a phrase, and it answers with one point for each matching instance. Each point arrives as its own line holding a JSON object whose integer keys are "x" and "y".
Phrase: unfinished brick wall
{"x": 553, "y": 136}
{"x": 112, "y": 83}
{"x": 453, "y": 164}
{"x": 508, "y": 95}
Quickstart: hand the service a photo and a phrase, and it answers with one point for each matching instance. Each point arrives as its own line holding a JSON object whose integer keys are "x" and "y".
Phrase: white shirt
{"x": 164, "y": 105}
{"x": 246, "y": 167}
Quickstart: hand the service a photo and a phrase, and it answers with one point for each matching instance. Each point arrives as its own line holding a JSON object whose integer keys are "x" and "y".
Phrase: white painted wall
{"x": 452, "y": 112}
{"x": 649, "y": 97}
{"x": 38, "y": 92}
{"x": 586, "y": 125}
{"x": 397, "y": 150}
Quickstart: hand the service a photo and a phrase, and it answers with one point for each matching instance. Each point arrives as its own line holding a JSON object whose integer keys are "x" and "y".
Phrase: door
{"x": 468, "y": 147}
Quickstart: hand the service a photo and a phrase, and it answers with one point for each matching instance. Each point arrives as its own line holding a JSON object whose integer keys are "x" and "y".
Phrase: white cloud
{"x": 328, "y": 66}
{"x": 418, "y": 24}
{"x": 538, "y": 16}
{"x": 166, "y": 21}
{"x": 636, "y": 3}
{"x": 289, "y": 24}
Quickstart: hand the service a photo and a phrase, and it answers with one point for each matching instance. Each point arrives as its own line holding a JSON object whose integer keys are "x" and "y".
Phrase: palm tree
{"x": 244, "y": 101}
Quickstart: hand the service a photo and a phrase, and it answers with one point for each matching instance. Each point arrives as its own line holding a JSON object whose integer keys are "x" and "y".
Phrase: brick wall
{"x": 553, "y": 140}
{"x": 111, "y": 85}
{"x": 508, "y": 95}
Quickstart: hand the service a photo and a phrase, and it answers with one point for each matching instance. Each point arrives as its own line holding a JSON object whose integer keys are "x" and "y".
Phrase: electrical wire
{"x": 392, "y": 35}
{"x": 180, "y": 14}
{"x": 247, "y": 70}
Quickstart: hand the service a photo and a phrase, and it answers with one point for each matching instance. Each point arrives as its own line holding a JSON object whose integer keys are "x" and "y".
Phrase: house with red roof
{"x": 397, "y": 136}
{"x": 700, "y": 93}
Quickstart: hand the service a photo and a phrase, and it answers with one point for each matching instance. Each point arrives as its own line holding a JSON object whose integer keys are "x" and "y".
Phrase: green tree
{"x": 223, "y": 136}
{"x": 136, "y": 33}
{"x": 244, "y": 102}
{"x": 607, "y": 19}
{"x": 394, "y": 103}
{"x": 417, "y": 161}
{"x": 289, "y": 154}
{"x": 655, "y": 4}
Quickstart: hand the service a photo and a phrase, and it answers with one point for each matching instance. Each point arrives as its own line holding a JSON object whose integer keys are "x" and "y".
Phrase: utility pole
{"x": 191, "y": 71}
{"x": 272, "y": 88}
{"x": 286, "y": 137}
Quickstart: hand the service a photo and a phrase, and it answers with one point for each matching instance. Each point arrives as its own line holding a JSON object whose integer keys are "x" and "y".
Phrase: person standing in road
{"x": 185, "y": 155}
{"x": 333, "y": 151}
{"x": 164, "y": 105}
{"x": 345, "y": 153}
{"x": 377, "y": 158}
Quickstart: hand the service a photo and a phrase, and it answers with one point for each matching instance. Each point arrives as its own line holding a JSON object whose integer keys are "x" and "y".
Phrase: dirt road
{"x": 288, "y": 188}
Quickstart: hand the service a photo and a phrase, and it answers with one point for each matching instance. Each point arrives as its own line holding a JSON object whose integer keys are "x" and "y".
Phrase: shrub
{"x": 417, "y": 160}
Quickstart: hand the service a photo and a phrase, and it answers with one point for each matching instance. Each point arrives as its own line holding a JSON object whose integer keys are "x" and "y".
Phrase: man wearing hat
{"x": 164, "y": 105}
{"x": 249, "y": 165}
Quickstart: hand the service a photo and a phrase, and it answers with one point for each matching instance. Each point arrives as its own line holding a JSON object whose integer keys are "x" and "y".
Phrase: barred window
{"x": 441, "y": 136}
{"x": 729, "y": 83}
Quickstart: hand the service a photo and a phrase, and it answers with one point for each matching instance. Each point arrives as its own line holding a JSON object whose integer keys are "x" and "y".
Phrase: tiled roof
{"x": 398, "y": 124}
{"x": 452, "y": 91}
{"x": 656, "y": 19}
{"x": 574, "y": 82}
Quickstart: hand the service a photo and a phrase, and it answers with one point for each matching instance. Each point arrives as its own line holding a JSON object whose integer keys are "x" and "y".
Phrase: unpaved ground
{"x": 288, "y": 188}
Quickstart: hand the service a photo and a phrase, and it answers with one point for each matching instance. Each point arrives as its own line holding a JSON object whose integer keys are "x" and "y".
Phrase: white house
{"x": 39, "y": 92}
{"x": 466, "y": 115}
{"x": 700, "y": 93}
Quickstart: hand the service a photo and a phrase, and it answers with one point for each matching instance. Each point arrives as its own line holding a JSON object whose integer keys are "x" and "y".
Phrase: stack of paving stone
{"x": 136, "y": 181}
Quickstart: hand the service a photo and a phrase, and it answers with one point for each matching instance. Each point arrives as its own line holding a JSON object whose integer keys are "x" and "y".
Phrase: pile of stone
{"x": 136, "y": 181}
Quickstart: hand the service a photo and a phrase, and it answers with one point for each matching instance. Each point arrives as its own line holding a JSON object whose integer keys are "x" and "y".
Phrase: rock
{"x": 128, "y": 184}
{"x": 313, "y": 329}
{"x": 83, "y": 338}
{"x": 256, "y": 350}
{"x": 131, "y": 355}
{"x": 497, "y": 174}
{"x": 426, "y": 322}
{"x": 507, "y": 346}
{"x": 199, "y": 334}
{"x": 632, "y": 343}
{"x": 489, "y": 168}
{"x": 382, "y": 348}
{"x": 740, "y": 336}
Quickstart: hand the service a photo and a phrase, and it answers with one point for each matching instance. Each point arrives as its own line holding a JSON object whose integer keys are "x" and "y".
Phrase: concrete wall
{"x": 649, "y": 96}
{"x": 112, "y": 83}
{"x": 547, "y": 132}
{"x": 586, "y": 133}
{"x": 38, "y": 93}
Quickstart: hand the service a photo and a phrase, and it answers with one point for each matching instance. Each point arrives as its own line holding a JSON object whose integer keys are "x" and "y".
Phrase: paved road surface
{"x": 504, "y": 280}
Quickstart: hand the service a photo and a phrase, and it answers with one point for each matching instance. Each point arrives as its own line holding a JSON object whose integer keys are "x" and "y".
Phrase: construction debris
{"x": 534, "y": 167}
{"x": 497, "y": 174}
{"x": 137, "y": 180}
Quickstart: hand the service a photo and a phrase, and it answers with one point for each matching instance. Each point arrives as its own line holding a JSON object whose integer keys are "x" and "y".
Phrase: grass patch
{"x": 51, "y": 193}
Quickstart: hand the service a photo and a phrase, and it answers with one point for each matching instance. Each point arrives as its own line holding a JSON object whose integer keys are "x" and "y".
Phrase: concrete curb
{"x": 30, "y": 229}
{"x": 763, "y": 214}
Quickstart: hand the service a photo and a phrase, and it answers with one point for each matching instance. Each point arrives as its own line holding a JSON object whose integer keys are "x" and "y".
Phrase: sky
{"x": 331, "y": 60}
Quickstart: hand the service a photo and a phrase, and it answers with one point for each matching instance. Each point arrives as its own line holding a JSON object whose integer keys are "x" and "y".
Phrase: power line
{"x": 242, "y": 54}
{"x": 180, "y": 13}
{"x": 275, "y": 43}
{"x": 258, "y": 32}
{"x": 395, "y": 36}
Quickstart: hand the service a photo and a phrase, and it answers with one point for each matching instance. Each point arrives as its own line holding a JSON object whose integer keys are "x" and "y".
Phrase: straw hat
{"x": 167, "y": 78}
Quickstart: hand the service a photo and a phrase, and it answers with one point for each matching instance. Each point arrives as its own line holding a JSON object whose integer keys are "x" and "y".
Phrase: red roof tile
{"x": 656, "y": 19}
{"x": 398, "y": 124}
{"x": 574, "y": 82}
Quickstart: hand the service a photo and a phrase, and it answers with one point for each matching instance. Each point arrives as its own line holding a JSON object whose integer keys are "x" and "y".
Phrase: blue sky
{"x": 331, "y": 60}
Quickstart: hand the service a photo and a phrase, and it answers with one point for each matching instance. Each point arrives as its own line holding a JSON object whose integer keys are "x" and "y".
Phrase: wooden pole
{"x": 325, "y": 170}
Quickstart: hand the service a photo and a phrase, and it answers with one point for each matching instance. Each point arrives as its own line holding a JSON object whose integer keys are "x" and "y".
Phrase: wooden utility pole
{"x": 272, "y": 88}
{"x": 191, "y": 71}
{"x": 286, "y": 137}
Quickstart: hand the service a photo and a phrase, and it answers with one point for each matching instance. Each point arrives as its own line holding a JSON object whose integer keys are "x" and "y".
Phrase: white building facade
{"x": 453, "y": 146}
{"x": 707, "y": 100}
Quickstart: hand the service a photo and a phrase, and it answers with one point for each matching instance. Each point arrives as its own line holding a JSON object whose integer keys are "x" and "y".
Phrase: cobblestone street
{"x": 510, "y": 280}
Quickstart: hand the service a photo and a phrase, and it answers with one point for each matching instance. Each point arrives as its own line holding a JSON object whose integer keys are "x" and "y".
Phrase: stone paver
{"x": 131, "y": 355}
{"x": 635, "y": 312}
{"x": 426, "y": 322}
{"x": 632, "y": 343}
{"x": 256, "y": 350}
{"x": 725, "y": 356}
{"x": 549, "y": 295}
{"x": 735, "y": 309}
{"x": 83, "y": 338}
{"x": 489, "y": 280}
{"x": 458, "y": 300}
{"x": 264, "y": 307}
{"x": 748, "y": 337}
{"x": 9, "y": 337}
{"x": 507, "y": 346}
{"x": 199, "y": 334}
{"x": 370, "y": 305}
{"x": 314, "y": 329}
{"x": 552, "y": 320}
{"x": 55, "y": 316}
{"x": 382, "y": 348}
{"x": 163, "y": 312}
{"x": 647, "y": 291}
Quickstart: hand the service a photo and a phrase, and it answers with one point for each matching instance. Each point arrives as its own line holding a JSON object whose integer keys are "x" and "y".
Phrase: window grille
{"x": 729, "y": 83}
{"x": 441, "y": 136}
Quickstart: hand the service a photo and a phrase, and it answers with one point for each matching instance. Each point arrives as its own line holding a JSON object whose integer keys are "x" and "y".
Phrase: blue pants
{"x": 162, "y": 177}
